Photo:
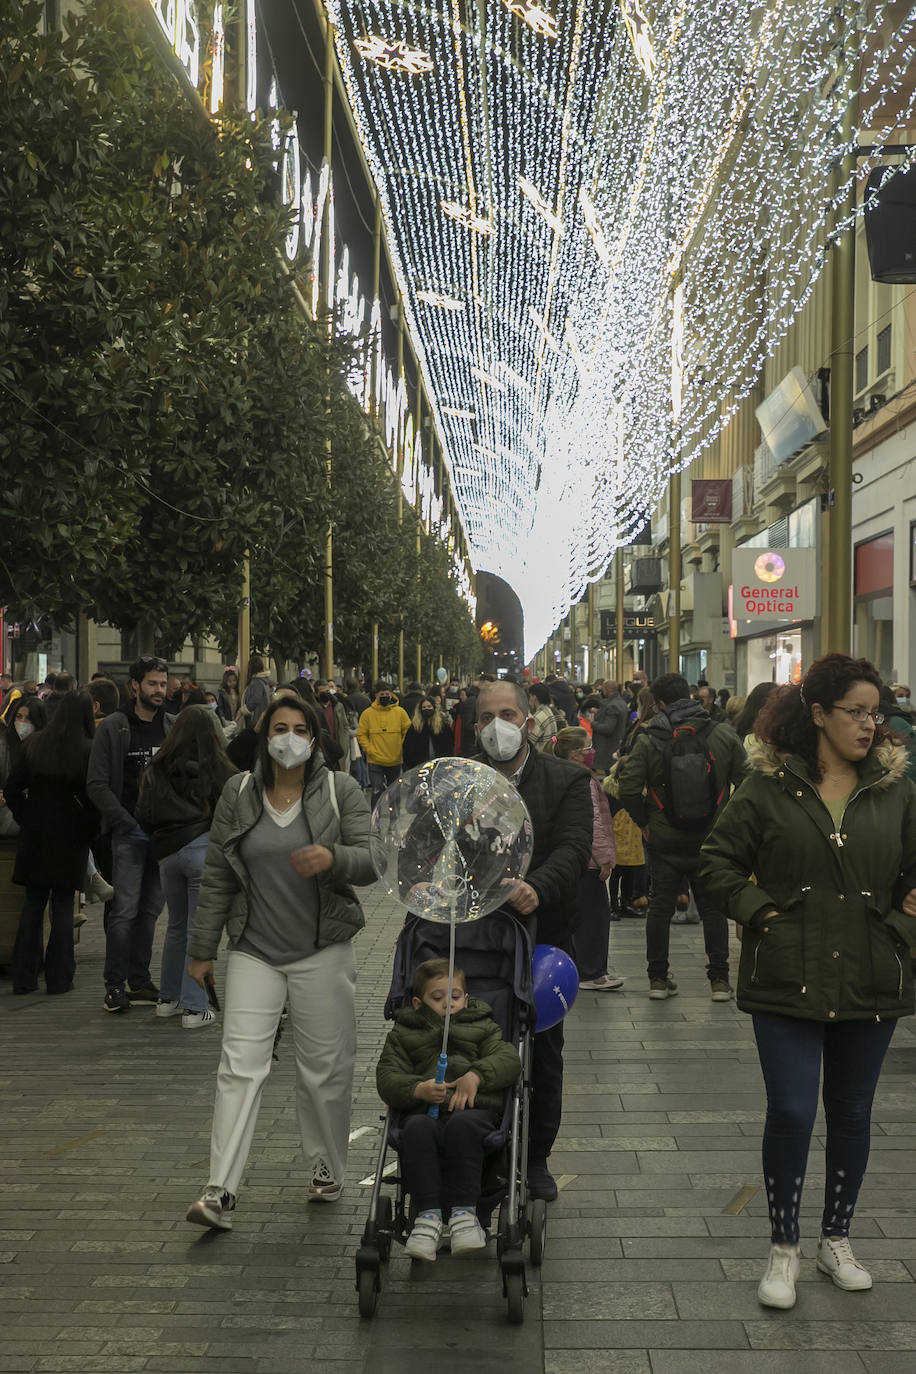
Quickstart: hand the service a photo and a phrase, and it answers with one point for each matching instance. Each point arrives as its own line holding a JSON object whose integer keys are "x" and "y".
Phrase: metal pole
{"x": 325, "y": 269}
{"x": 842, "y": 347}
{"x": 374, "y": 651}
{"x": 399, "y": 442}
{"x": 674, "y": 573}
{"x": 618, "y": 587}
{"x": 416, "y": 441}
{"x": 376, "y": 286}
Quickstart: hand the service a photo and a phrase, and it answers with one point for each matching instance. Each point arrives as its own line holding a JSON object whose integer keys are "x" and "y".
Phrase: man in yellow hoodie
{"x": 381, "y": 734}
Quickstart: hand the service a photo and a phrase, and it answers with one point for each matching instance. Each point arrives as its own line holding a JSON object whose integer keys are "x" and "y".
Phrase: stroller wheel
{"x": 515, "y": 1298}
{"x": 368, "y": 1293}
{"x": 537, "y": 1242}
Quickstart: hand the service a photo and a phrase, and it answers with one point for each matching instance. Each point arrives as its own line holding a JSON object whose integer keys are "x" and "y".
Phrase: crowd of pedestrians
{"x": 245, "y": 811}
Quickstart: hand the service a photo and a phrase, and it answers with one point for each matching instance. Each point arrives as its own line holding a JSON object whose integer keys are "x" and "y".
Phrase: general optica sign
{"x": 773, "y": 584}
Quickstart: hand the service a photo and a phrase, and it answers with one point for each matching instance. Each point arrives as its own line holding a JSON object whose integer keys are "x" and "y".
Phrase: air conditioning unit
{"x": 645, "y": 576}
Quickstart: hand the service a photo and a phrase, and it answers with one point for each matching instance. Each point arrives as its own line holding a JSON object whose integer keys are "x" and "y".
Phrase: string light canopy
{"x": 629, "y": 200}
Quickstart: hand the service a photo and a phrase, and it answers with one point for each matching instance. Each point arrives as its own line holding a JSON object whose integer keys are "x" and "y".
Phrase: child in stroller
{"x": 442, "y": 1157}
{"x": 494, "y": 953}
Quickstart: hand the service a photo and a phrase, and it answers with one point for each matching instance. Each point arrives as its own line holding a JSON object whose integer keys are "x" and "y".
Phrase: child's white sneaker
{"x": 465, "y": 1233}
{"x": 423, "y": 1241}
{"x": 777, "y": 1287}
{"x": 835, "y": 1257}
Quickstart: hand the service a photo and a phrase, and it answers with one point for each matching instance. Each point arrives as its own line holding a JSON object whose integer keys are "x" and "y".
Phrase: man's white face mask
{"x": 501, "y": 739}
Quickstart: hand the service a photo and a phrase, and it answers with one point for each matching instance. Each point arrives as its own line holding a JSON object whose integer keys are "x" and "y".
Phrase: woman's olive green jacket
{"x": 338, "y": 817}
{"x": 838, "y": 947}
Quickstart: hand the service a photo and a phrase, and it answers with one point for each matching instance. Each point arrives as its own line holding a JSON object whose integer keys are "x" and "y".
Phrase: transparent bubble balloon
{"x": 449, "y": 838}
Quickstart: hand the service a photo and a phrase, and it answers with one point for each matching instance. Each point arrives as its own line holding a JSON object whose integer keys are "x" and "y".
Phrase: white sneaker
{"x": 213, "y": 1208}
{"x": 466, "y": 1233}
{"x": 168, "y": 1008}
{"x": 835, "y": 1257}
{"x": 192, "y": 1020}
{"x": 605, "y": 982}
{"x": 98, "y": 890}
{"x": 423, "y": 1241}
{"x": 777, "y": 1287}
{"x": 324, "y": 1187}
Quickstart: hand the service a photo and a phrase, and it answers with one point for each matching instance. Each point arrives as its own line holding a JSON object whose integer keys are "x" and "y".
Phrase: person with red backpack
{"x": 677, "y": 777}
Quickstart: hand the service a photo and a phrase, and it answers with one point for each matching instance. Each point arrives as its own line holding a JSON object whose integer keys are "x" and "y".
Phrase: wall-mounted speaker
{"x": 890, "y": 225}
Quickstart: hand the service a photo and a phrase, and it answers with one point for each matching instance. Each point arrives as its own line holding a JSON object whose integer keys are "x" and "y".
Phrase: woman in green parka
{"x": 287, "y": 842}
{"x": 815, "y": 858}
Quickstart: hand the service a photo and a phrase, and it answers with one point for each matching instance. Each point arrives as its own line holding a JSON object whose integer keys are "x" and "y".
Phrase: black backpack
{"x": 688, "y": 777}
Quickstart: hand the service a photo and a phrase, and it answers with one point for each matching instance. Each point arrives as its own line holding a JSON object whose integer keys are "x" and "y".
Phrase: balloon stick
{"x": 442, "y": 1065}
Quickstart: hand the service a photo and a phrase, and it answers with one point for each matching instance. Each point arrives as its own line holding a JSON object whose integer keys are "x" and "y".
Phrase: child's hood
{"x": 419, "y": 1017}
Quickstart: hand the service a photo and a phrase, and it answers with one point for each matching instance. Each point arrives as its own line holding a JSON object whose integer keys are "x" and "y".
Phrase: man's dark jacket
{"x": 641, "y": 776}
{"x": 559, "y": 802}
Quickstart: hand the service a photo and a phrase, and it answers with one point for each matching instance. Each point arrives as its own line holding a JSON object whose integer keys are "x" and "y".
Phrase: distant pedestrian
{"x": 178, "y": 795}
{"x": 381, "y": 734}
{"x": 609, "y": 727}
{"x": 46, "y": 792}
{"x": 430, "y": 734}
{"x": 259, "y": 690}
{"x": 593, "y": 908}
{"x": 228, "y": 700}
{"x": 125, "y": 743}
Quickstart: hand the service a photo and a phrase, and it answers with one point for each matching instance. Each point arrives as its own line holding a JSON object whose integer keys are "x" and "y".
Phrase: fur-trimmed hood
{"x": 886, "y": 763}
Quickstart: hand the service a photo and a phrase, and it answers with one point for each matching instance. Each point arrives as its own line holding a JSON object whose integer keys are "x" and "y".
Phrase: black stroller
{"x": 495, "y": 954}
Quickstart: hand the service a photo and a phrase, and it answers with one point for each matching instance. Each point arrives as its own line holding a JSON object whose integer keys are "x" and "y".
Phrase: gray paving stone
{"x": 849, "y": 1335}
{"x": 755, "y": 1362}
{"x": 644, "y": 1275}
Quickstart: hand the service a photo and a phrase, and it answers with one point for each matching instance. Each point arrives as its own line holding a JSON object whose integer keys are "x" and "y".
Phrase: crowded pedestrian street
{"x": 653, "y": 1245}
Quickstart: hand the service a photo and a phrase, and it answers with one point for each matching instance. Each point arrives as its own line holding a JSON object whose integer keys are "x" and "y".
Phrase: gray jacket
{"x": 105, "y": 779}
{"x": 337, "y": 819}
{"x": 608, "y": 730}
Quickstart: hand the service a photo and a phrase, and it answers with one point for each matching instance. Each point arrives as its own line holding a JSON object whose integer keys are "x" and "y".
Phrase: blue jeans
{"x": 791, "y": 1050}
{"x": 181, "y": 873}
{"x": 135, "y": 907}
{"x": 380, "y": 776}
{"x": 359, "y": 769}
{"x": 58, "y": 959}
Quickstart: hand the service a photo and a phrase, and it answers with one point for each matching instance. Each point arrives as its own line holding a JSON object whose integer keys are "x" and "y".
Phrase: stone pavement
{"x": 654, "y": 1247}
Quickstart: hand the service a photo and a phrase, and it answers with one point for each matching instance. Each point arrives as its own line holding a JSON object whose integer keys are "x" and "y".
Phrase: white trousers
{"x": 322, "y": 1019}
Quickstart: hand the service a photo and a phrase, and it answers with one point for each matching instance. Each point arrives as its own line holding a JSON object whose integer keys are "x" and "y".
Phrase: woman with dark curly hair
{"x": 757, "y": 698}
{"x": 826, "y": 823}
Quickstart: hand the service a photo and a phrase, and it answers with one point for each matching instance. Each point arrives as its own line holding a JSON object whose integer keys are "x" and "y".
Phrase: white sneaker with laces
{"x": 466, "y": 1233}
{"x": 835, "y": 1257}
{"x": 777, "y": 1287}
{"x": 193, "y": 1020}
{"x": 324, "y": 1186}
{"x": 423, "y": 1241}
{"x": 164, "y": 1009}
{"x": 213, "y": 1208}
{"x": 605, "y": 982}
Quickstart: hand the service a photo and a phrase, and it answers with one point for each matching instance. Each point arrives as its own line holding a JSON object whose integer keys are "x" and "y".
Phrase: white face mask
{"x": 211, "y": 705}
{"x": 289, "y": 750}
{"x": 24, "y": 728}
{"x": 904, "y": 701}
{"x": 501, "y": 739}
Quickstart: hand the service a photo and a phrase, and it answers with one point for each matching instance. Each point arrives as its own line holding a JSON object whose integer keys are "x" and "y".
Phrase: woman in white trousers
{"x": 287, "y": 843}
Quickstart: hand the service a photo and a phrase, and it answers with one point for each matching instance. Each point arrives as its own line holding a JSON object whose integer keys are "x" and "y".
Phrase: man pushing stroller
{"x": 442, "y": 1158}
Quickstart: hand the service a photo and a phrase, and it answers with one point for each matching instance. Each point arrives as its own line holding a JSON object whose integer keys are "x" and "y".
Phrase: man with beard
{"x": 124, "y": 744}
{"x": 559, "y": 802}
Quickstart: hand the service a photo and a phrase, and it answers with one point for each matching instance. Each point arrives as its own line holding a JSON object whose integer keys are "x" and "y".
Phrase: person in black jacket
{"x": 46, "y": 792}
{"x": 430, "y": 734}
{"x": 559, "y": 802}
{"x": 178, "y": 794}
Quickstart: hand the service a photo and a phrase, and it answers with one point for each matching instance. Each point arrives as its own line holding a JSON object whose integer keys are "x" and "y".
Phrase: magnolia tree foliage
{"x": 163, "y": 407}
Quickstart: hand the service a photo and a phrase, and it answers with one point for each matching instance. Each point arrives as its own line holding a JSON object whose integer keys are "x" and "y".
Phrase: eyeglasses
{"x": 860, "y": 715}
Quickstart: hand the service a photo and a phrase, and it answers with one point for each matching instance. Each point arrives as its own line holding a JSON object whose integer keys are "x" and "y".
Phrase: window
{"x": 861, "y": 369}
{"x": 874, "y": 602}
{"x": 884, "y": 351}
